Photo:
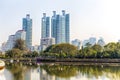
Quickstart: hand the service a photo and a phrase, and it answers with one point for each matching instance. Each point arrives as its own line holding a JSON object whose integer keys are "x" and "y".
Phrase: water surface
{"x": 34, "y": 71}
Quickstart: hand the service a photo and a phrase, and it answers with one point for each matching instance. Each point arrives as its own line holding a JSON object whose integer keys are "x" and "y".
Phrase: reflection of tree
{"x": 66, "y": 71}
{"x": 18, "y": 69}
{"x": 100, "y": 70}
{"x": 60, "y": 70}
{"x": 90, "y": 71}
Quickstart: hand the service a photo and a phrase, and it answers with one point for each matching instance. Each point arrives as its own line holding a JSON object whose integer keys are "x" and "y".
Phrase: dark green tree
{"x": 20, "y": 44}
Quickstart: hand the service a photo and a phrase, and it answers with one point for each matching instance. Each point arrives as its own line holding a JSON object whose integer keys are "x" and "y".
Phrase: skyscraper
{"x": 45, "y": 32}
{"x": 27, "y": 26}
{"x": 46, "y": 40}
{"x": 60, "y": 27}
{"x": 67, "y": 20}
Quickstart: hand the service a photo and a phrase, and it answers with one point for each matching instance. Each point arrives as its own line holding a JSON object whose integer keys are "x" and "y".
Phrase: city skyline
{"x": 88, "y": 17}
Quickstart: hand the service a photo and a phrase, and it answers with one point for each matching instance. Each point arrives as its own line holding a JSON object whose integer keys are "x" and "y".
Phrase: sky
{"x": 88, "y": 18}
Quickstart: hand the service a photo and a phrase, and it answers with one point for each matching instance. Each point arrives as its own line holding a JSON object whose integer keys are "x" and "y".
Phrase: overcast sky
{"x": 98, "y": 18}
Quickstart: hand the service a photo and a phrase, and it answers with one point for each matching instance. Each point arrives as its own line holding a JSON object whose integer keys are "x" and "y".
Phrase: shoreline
{"x": 79, "y": 60}
{"x": 64, "y": 60}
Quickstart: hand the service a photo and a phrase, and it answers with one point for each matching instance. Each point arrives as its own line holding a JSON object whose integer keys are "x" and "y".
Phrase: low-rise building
{"x": 101, "y": 42}
{"x": 45, "y": 42}
{"x": 76, "y": 43}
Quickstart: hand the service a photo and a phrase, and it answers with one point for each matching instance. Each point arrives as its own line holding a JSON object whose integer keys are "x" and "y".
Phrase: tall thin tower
{"x": 45, "y": 32}
{"x": 27, "y": 26}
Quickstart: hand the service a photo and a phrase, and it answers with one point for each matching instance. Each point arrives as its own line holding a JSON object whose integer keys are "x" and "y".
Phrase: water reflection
{"x": 2, "y": 76}
{"x": 20, "y": 70}
{"x": 24, "y": 71}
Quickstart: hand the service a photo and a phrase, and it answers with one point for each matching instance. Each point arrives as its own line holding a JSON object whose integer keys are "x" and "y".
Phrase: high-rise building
{"x": 27, "y": 26}
{"x": 45, "y": 32}
{"x": 60, "y": 27}
{"x": 20, "y": 34}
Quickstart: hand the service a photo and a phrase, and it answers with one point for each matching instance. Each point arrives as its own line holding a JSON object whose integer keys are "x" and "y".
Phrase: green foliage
{"x": 111, "y": 50}
{"x": 14, "y": 53}
{"x": 63, "y": 50}
{"x": 19, "y": 69}
{"x": 68, "y": 71}
{"x": 31, "y": 54}
{"x": 60, "y": 70}
{"x": 20, "y": 50}
{"x": 20, "y": 44}
{"x": 17, "y": 50}
{"x": 2, "y": 55}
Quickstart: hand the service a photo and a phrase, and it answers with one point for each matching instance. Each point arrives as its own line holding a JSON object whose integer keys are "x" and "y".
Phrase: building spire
{"x": 44, "y": 14}
{"x": 54, "y": 13}
{"x": 63, "y": 12}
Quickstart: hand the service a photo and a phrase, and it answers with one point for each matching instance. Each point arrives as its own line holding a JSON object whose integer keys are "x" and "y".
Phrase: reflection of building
{"x": 27, "y": 26}
{"x": 45, "y": 42}
{"x": 33, "y": 74}
{"x": 44, "y": 76}
{"x": 2, "y": 76}
{"x": 58, "y": 78}
{"x": 60, "y": 27}
{"x": 76, "y": 43}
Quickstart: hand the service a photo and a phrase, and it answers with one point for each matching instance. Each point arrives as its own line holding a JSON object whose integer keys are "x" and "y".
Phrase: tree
{"x": 110, "y": 50}
{"x": 14, "y": 53}
{"x": 20, "y": 44}
{"x": 62, "y": 49}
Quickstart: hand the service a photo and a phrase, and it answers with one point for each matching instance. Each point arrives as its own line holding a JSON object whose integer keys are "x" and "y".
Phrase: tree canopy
{"x": 65, "y": 49}
{"x": 20, "y": 44}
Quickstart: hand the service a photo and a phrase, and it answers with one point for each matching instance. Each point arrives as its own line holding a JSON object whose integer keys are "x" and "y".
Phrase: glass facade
{"x": 45, "y": 26}
{"x": 27, "y": 26}
{"x": 67, "y": 24}
{"x": 60, "y": 27}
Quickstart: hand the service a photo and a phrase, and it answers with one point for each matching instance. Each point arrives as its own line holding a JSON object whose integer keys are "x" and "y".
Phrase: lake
{"x": 51, "y": 71}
